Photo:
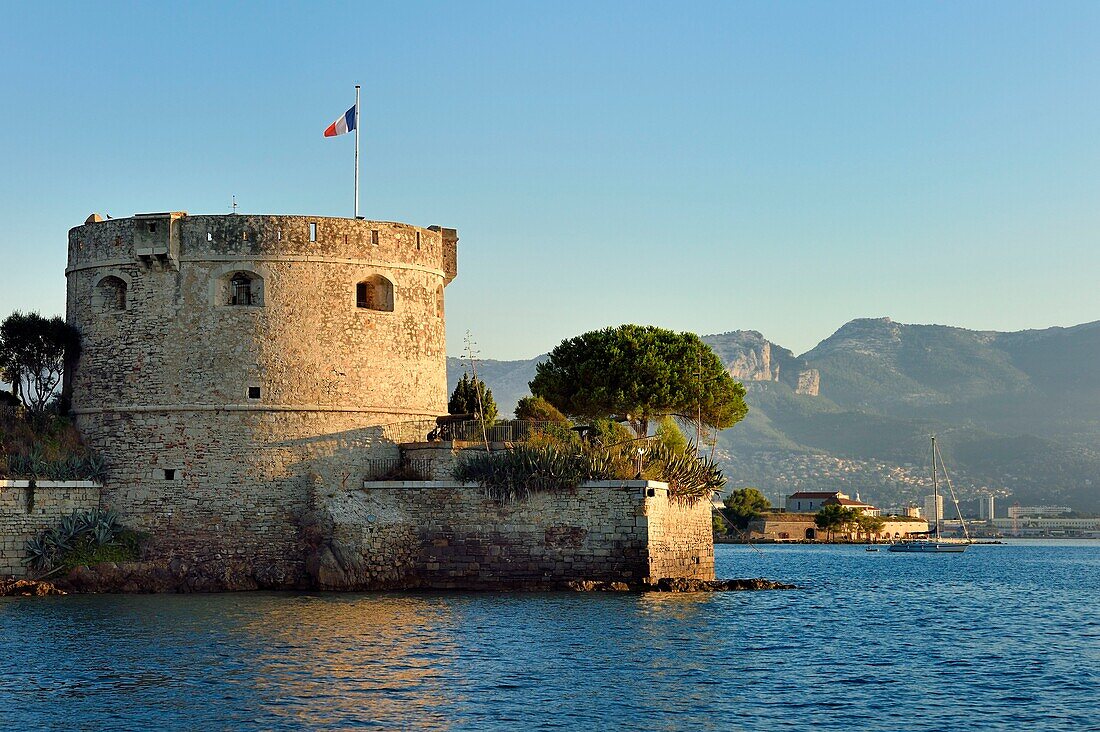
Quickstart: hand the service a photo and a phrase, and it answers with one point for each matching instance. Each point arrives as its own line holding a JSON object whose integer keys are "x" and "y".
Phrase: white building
{"x": 985, "y": 507}
{"x": 1045, "y": 526}
{"x": 933, "y": 509}
{"x": 1020, "y": 511}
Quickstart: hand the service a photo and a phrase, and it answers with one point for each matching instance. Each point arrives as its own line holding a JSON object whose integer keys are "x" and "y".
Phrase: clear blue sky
{"x": 705, "y": 167}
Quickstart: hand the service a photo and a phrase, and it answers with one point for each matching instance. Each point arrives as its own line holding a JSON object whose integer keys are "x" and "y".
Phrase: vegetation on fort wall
{"x": 514, "y": 474}
{"x": 44, "y": 447}
{"x": 36, "y": 440}
{"x": 83, "y": 538}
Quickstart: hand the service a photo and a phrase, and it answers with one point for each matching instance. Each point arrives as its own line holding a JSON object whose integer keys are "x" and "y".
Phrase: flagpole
{"x": 356, "y": 151}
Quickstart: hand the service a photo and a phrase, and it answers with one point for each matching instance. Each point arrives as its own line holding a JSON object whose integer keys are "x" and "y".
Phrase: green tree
{"x": 870, "y": 525}
{"x": 834, "y": 517}
{"x": 607, "y": 432}
{"x": 35, "y": 353}
{"x": 669, "y": 435}
{"x": 642, "y": 372}
{"x": 470, "y": 396}
{"x": 537, "y": 409}
{"x": 744, "y": 505}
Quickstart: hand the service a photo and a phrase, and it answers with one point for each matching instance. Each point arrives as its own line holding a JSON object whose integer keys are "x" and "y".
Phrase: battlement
{"x": 163, "y": 240}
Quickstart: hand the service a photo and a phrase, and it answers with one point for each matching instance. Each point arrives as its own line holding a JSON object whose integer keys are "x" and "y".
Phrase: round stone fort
{"x": 233, "y": 366}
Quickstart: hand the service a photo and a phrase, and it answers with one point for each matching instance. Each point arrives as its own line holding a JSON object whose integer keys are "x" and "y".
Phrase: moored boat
{"x": 936, "y": 544}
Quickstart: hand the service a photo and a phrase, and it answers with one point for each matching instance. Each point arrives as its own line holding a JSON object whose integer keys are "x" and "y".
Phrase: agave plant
{"x": 40, "y": 553}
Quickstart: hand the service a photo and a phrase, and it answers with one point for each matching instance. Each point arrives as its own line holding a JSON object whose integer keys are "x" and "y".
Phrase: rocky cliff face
{"x": 750, "y": 357}
{"x": 809, "y": 382}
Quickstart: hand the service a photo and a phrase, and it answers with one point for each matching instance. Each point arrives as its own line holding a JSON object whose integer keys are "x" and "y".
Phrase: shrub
{"x": 83, "y": 538}
{"x": 537, "y": 409}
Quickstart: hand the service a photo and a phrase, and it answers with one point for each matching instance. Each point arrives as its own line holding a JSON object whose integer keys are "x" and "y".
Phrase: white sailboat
{"x": 936, "y": 543}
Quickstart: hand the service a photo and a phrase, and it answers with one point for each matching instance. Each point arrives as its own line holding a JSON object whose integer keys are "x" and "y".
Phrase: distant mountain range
{"x": 1018, "y": 414}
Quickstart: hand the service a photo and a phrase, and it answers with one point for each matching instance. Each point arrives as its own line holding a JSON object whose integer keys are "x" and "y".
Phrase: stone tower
{"x": 233, "y": 366}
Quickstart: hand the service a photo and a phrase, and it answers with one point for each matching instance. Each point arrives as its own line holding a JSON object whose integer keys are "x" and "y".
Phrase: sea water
{"x": 1001, "y": 637}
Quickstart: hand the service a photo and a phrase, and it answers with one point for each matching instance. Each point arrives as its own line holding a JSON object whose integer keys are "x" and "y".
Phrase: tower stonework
{"x": 234, "y": 367}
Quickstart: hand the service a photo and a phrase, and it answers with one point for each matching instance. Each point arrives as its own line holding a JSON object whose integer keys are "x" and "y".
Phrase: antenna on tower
{"x": 234, "y": 204}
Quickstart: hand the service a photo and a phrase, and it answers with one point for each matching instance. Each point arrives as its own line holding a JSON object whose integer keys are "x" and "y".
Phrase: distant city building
{"x": 1015, "y": 512}
{"x": 911, "y": 512}
{"x": 933, "y": 509}
{"x": 1029, "y": 526}
{"x": 985, "y": 507}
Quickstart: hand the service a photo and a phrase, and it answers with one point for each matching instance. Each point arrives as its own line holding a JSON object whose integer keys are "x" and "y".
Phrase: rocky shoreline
{"x": 178, "y": 577}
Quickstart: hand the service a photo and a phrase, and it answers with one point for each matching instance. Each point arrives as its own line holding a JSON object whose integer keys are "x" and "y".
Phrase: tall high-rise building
{"x": 985, "y": 507}
{"x": 933, "y": 510}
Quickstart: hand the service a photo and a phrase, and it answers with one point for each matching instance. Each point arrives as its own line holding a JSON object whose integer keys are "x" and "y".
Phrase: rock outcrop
{"x": 177, "y": 576}
{"x": 809, "y": 382}
{"x": 681, "y": 585}
{"x": 28, "y": 588}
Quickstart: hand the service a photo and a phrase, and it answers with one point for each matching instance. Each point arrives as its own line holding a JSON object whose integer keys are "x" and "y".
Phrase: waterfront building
{"x": 814, "y": 501}
{"x": 1016, "y": 512}
{"x": 1033, "y": 526}
{"x": 801, "y": 527}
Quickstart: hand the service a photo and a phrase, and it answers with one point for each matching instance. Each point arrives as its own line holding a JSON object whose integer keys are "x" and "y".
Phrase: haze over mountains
{"x": 1017, "y": 413}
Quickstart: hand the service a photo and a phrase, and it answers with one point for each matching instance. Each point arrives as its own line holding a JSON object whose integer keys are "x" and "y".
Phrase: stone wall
{"x": 801, "y": 527}
{"x": 26, "y": 510}
{"x": 448, "y": 535}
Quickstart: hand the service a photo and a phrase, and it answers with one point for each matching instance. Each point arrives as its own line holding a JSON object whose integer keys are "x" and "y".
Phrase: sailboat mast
{"x": 935, "y": 490}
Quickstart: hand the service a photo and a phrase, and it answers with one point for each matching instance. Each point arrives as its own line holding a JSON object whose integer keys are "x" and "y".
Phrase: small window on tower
{"x": 240, "y": 289}
{"x": 374, "y": 237}
{"x": 152, "y": 227}
{"x": 253, "y": 392}
{"x": 312, "y": 231}
{"x": 169, "y": 473}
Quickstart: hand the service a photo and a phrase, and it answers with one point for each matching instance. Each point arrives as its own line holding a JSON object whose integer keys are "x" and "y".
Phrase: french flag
{"x": 342, "y": 125}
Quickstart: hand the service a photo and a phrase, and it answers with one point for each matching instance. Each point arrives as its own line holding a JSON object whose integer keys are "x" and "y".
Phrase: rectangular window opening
{"x": 209, "y": 236}
{"x": 312, "y": 231}
{"x": 169, "y": 473}
{"x": 253, "y": 392}
{"x": 278, "y": 234}
{"x": 418, "y": 241}
{"x": 152, "y": 228}
{"x": 374, "y": 237}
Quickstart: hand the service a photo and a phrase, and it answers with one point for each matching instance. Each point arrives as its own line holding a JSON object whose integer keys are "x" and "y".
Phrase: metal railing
{"x": 513, "y": 430}
{"x": 399, "y": 469}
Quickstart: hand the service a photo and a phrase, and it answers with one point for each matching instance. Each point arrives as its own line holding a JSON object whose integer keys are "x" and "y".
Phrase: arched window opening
{"x": 110, "y": 294}
{"x": 374, "y": 293}
{"x": 240, "y": 289}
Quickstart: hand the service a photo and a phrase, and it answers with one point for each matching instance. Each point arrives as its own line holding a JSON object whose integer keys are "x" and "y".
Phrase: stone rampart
{"x": 28, "y": 508}
{"x": 801, "y": 527}
{"x": 448, "y": 535}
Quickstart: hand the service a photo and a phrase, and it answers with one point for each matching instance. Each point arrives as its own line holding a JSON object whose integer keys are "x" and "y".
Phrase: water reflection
{"x": 390, "y": 654}
{"x": 1005, "y": 636}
